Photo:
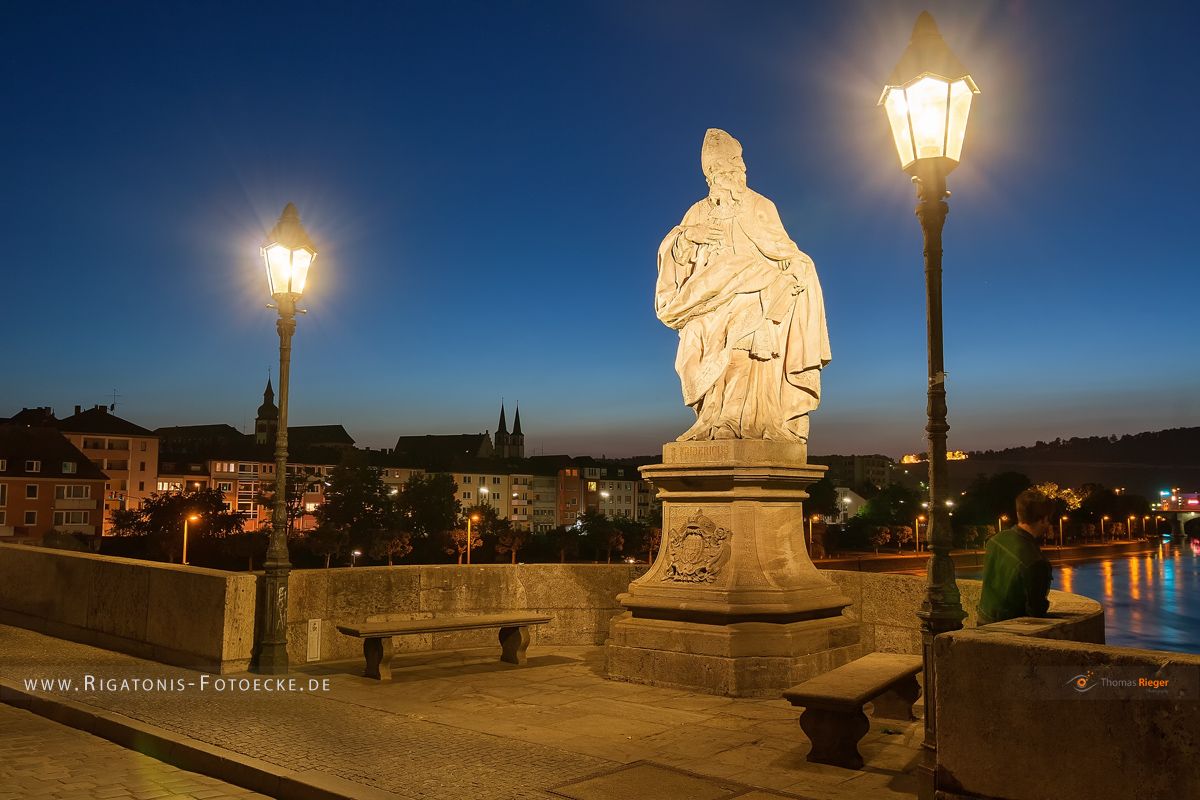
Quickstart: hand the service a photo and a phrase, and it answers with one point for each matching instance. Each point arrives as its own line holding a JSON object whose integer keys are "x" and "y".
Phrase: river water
{"x": 1150, "y": 600}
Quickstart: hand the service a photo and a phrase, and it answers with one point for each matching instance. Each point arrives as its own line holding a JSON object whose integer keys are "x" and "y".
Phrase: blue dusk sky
{"x": 488, "y": 183}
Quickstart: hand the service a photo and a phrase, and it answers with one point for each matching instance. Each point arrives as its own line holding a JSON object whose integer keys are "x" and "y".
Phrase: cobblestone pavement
{"x": 463, "y": 725}
{"x": 42, "y": 759}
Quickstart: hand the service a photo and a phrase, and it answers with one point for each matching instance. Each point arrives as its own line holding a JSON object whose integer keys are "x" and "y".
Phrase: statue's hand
{"x": 704, "y": 234}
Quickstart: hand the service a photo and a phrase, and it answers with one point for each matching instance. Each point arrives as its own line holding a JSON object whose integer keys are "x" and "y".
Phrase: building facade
{"x": 46, "y": 485}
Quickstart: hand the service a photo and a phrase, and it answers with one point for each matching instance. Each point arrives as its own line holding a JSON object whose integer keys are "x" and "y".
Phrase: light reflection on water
{"x": 1150, "y": 600}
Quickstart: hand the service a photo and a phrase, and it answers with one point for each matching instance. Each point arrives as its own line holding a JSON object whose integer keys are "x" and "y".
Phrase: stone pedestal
{"x": 732, "y": 605}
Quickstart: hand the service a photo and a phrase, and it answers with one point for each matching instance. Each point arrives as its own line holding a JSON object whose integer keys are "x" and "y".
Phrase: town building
{"x": 46, "y": 485}
{"x": 125, "y": 452}
{"x": 858, "y": 471}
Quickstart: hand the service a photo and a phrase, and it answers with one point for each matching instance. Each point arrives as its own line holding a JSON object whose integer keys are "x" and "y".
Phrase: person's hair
{"x": 1033, "y": 506}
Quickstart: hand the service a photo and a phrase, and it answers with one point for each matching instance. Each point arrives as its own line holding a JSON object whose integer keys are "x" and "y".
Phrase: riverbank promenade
{"x": 452, "y": 724}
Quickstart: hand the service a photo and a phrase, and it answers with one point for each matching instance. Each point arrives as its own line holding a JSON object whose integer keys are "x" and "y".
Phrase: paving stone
{"x": 449, "y": 726}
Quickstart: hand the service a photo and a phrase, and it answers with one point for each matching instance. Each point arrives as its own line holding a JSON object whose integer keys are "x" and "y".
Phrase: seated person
{"x": 1016, "y": 576}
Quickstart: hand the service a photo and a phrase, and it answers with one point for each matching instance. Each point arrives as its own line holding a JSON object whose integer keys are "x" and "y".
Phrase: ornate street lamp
{"x": 927, "y": 100}
{"x": 287, "y": 253}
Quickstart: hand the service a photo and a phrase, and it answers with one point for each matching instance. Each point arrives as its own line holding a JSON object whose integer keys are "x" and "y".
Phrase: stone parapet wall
{"x": 886, "y": 605}
{"x": 580, "y": 599}
{"x": 188, "y": 616}
{"x": 1011, "y": 724}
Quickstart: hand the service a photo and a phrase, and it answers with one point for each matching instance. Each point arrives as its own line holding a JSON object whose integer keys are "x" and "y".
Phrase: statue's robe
{"x": 751, "y": 322}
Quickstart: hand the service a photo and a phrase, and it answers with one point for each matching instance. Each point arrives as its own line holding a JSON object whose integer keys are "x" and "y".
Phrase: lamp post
{"x": 920, "y": 518}
{"x": 186, "y": 518}
{"x": 354, "y": 554}
{"x": 811, "y": 522}
{"x": 288, "y": 253}
{"x": 1061, "y": 520}
{"x": 927, "y": 99}
{"x": 1103, "y": 520}
{"x": 1000, "y": 522}
{"x": 471, "y": 518}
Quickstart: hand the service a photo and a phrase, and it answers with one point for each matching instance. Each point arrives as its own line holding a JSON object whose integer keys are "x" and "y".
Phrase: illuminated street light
{"x": 1061, "y": 520}
{"x": 354, "y": 554}
{"x": 186, "y": 519}
{"x": 288, "y": 254}
{"x": 1000, "y": 522}
{"x": 470, "y": 519}
{"x": 928, "y": 99}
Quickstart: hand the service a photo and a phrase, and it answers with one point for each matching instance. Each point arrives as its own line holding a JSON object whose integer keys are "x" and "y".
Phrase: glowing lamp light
{"x": 288, "y": 254}
{"x": 927, "y": 100}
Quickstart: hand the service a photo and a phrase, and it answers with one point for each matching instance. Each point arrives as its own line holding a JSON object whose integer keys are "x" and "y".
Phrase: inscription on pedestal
{"x": 696, "y": 551}
{"x": 699, "y": 453}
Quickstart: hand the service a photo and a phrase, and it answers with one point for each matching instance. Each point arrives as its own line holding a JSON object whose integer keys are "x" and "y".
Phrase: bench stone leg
{"x": 378, "y": 652}
{"x": 835, "y": 736}
{"x": 514, "y": 642}
{"x": 897, "y": 702}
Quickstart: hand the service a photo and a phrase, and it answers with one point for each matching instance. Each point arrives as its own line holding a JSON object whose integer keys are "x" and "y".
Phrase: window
{"x": 141, "y": 466}
{"x": 310, "y": 507}
{"x": 170, "y": 486}
{"x": 224, "y": 466}
{"x": 495, "y": 479}
{"x": 72, "y": 492}
{"x": 3, "y": 494}
{"x": 141, "y": 486}
{"x": 70, "y": 518}
{"x": 591, "y": 486}
{"x": 3, "y": 464}
{"x": 466, "y": 479}
{"x": 31, "y": 518}
{"x": 31, "y": 491}
{"x": 68, "y": 467}
{"x": 118, "y": 444}
{"x": 33, "y": 466}
{"x": 117, "y": 463}
{"x": 142, "y": 446}
{"x": 225, "y": 486}
{"x": 3, "y": 517}
{"x": 93, "y": 444}
{"x": 466, "y": 495}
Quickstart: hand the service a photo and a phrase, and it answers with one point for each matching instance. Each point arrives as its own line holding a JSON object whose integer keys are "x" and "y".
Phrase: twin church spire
{"x": 510, "y": 445}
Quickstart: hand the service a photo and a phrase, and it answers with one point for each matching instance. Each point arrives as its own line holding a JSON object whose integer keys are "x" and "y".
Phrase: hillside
{"x": 1171, "y": 447}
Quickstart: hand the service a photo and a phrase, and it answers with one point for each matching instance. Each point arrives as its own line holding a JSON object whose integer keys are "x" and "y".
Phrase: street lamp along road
{"x": 927, "y": 99}
{"x": 186, "y": 519}
{"x": 470, "y": 519}
{"x": 288, "y": 254}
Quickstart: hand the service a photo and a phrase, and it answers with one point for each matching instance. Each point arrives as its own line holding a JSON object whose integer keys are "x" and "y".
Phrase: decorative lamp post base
{"x": 732, "y": 605}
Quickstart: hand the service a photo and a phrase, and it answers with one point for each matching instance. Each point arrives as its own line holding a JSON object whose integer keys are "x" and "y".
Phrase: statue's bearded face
{"x": 729, "y": 176}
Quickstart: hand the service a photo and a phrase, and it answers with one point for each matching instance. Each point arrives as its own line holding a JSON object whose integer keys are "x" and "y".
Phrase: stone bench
{"x": 377, "y": 636}
{"x": 833, "y": 717}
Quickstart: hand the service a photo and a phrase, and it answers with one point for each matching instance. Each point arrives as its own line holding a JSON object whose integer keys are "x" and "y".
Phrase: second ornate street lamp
{"x": 927, "y": 99}
{"x": 288, "y": 253}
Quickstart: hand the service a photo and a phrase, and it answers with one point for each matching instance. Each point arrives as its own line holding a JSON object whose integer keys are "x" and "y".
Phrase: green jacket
{"x": 1016, "y": 578}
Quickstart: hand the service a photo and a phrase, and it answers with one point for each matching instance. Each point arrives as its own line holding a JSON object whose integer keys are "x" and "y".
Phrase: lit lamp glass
{"x": 288, "y": 253}
{"x": 927, "y": 100}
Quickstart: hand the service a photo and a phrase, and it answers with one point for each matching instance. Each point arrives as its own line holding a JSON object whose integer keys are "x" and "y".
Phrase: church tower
{"x": 517, "y": 439}
{"x": 266, "y": 423}
{"x": 502, "y": 443}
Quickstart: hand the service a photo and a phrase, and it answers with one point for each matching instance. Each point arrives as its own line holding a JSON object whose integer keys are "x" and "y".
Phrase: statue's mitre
{"x": 718, "y": 148}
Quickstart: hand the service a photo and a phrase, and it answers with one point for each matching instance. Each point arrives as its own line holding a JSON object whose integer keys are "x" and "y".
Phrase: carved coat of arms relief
{"x": 696, "y": 550}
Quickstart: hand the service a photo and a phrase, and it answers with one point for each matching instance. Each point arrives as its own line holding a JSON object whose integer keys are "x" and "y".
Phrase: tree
{"x": 564, "y": 540}
{"x": 295, "y": 487}
{"x": 879, "y": 536}
{"x": 892, "y": 505}
{"x": 327, "y": 542}
{"x": 428, "y": 505}
{"x": 902, "y": 535}
{"x": 390, "y": 544}
{"x": 160, "y": 519}
{"x": 600, "y": 532}
{"x": 455, "y": 542}
{"x": 511, "y": 541}
{"x": 822, "y": 499}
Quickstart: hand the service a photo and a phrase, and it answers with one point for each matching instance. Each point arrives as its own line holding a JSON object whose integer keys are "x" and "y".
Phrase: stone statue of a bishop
{"x": 748, "y": 307}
